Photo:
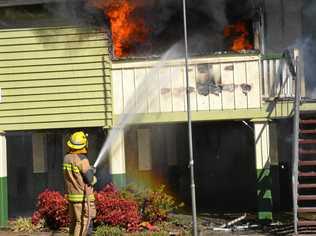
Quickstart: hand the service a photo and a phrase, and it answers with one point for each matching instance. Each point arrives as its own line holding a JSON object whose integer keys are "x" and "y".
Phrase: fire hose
{"x": 87, "y": 197}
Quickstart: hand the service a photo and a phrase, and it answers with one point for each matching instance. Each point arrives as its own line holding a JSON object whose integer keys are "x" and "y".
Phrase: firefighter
{"x": 79, "y": 180}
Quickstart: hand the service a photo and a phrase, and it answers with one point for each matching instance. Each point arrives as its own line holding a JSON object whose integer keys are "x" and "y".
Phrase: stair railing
{"x": 295, "y": 71}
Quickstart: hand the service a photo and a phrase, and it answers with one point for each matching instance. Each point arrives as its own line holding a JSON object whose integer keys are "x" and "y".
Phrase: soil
{"x": 207, "y": 222}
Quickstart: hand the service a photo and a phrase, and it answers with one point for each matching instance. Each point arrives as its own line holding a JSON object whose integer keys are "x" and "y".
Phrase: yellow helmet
{"x": 78, "y": 140}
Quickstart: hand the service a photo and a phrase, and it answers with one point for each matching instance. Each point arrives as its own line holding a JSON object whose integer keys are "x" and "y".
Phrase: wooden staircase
{"x": 304, "y": 159}
{"x": 304, "y": 186}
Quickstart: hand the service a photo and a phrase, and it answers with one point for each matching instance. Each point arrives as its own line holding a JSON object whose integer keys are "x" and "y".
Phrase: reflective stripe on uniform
{"x": 71, "y": 167}
{"x": 79, "y": 197}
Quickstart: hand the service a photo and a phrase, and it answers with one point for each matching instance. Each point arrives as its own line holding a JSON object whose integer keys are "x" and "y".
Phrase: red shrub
{"x": 53, "y": 208}
{"x": 114, "y": 210}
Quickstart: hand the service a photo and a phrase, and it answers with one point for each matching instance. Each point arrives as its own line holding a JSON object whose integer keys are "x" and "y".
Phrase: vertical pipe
{"x": 296, "y": 121}
{"x": 262, "y": 31}
{"x": 194, "y": 216}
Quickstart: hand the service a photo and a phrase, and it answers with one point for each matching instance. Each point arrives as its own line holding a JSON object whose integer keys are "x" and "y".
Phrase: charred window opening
{"x": 239, "y": 36}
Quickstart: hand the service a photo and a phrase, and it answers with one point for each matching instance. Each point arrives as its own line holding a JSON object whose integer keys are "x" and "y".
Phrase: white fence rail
{"x": 216, "y": 83}
{"x": 277, "y": 80}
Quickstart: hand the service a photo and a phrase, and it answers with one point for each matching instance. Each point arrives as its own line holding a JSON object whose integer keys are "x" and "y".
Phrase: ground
{"x": 207, "y": 222}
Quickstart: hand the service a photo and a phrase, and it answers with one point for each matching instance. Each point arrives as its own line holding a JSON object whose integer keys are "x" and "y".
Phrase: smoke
{"x": 146, "y": 94}
{"x": 75, "y": 12}
{"x": 308, "y": 46}
{"x": 206, "y": 20}
{"x": 51, "y": 13}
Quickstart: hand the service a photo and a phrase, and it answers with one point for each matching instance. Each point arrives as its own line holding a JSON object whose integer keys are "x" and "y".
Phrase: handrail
{"x": 295, "y": 71}
{"x": 278, "y": 76}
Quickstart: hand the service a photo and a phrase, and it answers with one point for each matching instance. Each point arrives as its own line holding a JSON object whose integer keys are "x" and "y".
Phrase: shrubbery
{"x": 155, "y": 205}
{"x": 24, "y": 225}
{"x": 114, "y": 210}
{"x": 53, "y": 208}
{"x": 108, "y": 230}
{"x": 128, "y": 209}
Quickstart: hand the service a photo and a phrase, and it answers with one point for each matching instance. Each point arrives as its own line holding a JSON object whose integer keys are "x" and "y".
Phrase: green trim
{"x": 119, "y": 180}
{"x": 271, "y": 56}
{"x": 265, "y": 215}
{"x": 3, "y": 201}
{"x": 264, "y": 194}
{"x": 263, "y": 120}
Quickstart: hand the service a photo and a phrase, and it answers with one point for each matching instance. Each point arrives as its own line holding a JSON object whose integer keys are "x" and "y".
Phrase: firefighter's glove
{"x": 94, "y": 181}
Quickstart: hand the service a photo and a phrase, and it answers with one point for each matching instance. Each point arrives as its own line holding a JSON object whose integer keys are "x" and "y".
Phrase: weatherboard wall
{"x": 54, "y": 78}
{"x": 216, "y": 84}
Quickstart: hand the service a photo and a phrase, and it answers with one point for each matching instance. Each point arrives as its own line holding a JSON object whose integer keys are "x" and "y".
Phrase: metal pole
{"x": 194, "y": 217}
{"x": 296, "y": 121}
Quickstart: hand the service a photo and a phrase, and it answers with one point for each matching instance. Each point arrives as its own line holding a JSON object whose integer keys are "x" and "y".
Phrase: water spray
{"x": 145, "y": 89}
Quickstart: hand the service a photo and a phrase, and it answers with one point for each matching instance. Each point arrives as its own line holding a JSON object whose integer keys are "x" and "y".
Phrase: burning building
{"x": 118, "y": 65}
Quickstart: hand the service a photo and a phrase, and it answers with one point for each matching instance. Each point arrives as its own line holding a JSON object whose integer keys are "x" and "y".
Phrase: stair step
{"x": 306, "y": 186}
{"x": 307, "y": 174}
{"x": 306, "y": 223}
{"x": 308, "y": 131}
{"x": 307, "y": 152}
{"x": 307, "y": 141}
{"x": 307, "y": 163}
{"x": 306, "y": 197}
{"x": 308, "y": 122}
{"x": 306, "y": 210}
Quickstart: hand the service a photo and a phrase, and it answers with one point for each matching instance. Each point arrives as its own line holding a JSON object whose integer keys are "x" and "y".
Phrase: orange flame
{"x": 240, "y": 36}
{"x": 127, "y": 29}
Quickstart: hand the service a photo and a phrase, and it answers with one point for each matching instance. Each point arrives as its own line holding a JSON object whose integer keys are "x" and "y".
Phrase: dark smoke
{"x": 51, "y": 13}
{"x": 206, "y": 22}
{"x": 76, "y": 12}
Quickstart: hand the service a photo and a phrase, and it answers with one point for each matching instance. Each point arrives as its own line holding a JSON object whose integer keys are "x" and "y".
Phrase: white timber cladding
{"x": 117, "y": 153}
{"x": 144, "y": 149}
{"x": 277, "y": 80}
{"x": 215, "y": 83}
{"x": 39, "y": 155}
{"x": 262, "y": 142}
{"x": 3, "y": 155}
{"x": 54, "y": 78}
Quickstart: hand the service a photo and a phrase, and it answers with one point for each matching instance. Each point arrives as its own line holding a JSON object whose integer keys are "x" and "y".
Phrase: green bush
{"x": 105, "y": 230}
{"x": 24, "y": 225}
{"x": 151, "y": 234}
{"x": 155, "y": 205}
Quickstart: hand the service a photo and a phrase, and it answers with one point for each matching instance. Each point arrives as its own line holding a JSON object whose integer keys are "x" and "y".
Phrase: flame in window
{"x": 127, "y": 28}
{"x": 239, "y": 36}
